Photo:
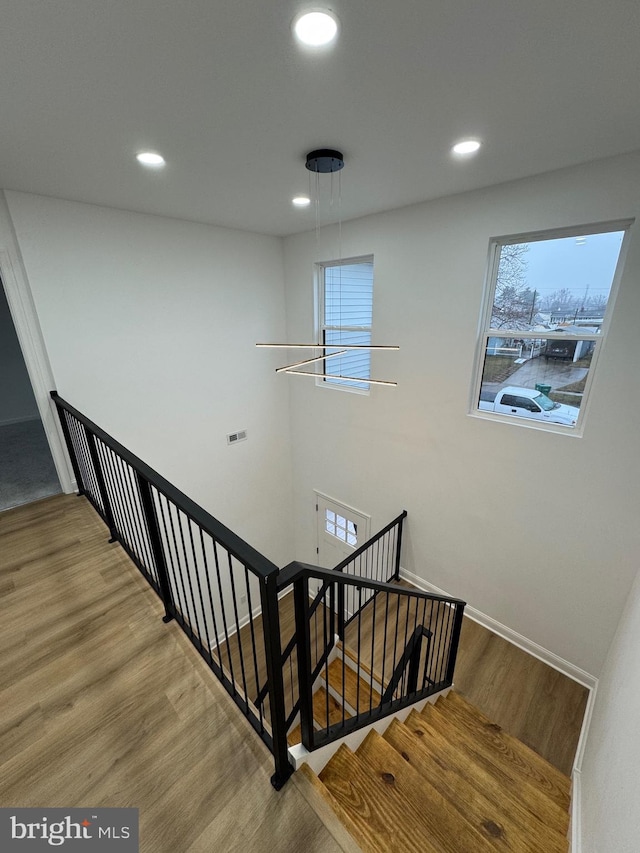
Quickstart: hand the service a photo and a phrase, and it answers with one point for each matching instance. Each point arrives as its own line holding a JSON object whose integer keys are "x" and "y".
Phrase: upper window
{"x": 548, "y": 305}
{"x": 345, "y": 306}
{"x": 339, "y": 526}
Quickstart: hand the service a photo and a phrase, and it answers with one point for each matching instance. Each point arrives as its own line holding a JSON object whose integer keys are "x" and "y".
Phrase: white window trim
{"x": 485, "y": 331}
{"x": 319, "y": 267}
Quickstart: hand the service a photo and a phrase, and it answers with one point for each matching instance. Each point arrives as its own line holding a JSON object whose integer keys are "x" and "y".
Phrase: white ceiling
{"x": 233, "y": 104}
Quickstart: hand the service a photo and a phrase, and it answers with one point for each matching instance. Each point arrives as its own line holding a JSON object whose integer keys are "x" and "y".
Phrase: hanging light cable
{"x": 328, "y": 161}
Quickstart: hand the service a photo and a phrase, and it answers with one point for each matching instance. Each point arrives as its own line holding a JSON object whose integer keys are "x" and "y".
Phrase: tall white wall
{"x": 610, "y": 815}
{"x": 17, "y": 402}
{"x": 537, "y": 530}
{"x": 150, "y": 325}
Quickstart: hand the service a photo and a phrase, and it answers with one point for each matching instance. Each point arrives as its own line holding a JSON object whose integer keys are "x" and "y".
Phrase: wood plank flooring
{"x": 104, "y": 705}
{"x": 528, "y": 699}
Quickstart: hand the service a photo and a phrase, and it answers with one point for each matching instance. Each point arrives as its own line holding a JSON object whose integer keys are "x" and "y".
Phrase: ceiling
{"x": 233, "y": 104}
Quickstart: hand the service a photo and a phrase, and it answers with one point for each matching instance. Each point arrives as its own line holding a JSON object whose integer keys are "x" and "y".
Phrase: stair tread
{"x": 330, "y": 812}
{"x": 357, "y": 692}
{"x": 364, "y": 666}
{"x": 488, "y": 806}
{"x": 377, "y": 820}
{"x": 551, "y": 780}
{"x": 508, "y": 774}
{"x": 320, "y": 714}
{"x": 450, "y": 831}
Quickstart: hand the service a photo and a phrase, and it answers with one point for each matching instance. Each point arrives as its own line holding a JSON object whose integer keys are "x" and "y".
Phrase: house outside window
{"x": 547, "y": 310}
{"x": 345, "y": 308}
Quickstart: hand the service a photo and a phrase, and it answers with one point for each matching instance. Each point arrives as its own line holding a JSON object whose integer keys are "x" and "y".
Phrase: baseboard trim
{"x": 23, "y": 420}
{"x": 575, "y": 826}
{"x": 550, "y": 658}
{"x": 575, "y": 831}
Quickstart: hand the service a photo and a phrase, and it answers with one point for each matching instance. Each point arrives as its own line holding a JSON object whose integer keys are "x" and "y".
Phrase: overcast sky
{"x": 574, "y": 263}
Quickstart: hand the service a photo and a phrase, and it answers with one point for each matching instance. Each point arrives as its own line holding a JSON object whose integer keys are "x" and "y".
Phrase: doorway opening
{"x": 27, "y": 470}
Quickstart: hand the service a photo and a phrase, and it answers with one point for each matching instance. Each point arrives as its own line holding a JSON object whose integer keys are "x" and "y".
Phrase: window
{"x": 345, "y": 306}
{"x": 549, "y": 300}
{"x": 342, "y": 528}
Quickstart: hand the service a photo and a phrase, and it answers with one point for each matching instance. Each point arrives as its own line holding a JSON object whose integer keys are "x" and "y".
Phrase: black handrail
{"x": 199, "y": 567}
{"x": 238, "y": 547}
{"x": 384, "y": 550}
{"x": 296, "y": 570}
{"x": 201, "y": 570}
{"x": 367, "y": 545}
{"x": 437, "y": 618}
{"x": 410, "y": 656}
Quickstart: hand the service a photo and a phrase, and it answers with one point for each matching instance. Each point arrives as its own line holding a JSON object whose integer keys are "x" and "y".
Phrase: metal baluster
{"x": 71, "y": 450}
{"x": 384, "y": 640}
{"x": 273, "y": 657}
{"x": 196, "y": 622}
{"x": 116, "y": 499}
{"x": 156, "y": 545}
{"x": 238, "y": 632}
{"x": 185, "y": 615}
{"x": 224, "y": 613}
{"x": 440, "y": 622}
{"x": 199, "y": 585}
{"x": 211, "y": 602}
{"x": 100, "y": 468}
{"x": 146, "y": 555}
{"x": 373, "y": 639}
{"x": 395, "y": 635}
{"x": 359, "y": 659}
{"x": 303, "y": 639}
{"x": 253, "y": 638}
{"x": 134, "y": 535}
{"x": 455, "y": 641}
{"x": 398, "y": 550}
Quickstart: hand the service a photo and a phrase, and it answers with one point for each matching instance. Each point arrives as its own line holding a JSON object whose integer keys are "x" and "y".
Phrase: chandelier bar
{"x": 310, "y": 361}
{"x": 329, "y": 346}
{"x": 341, "y": 378}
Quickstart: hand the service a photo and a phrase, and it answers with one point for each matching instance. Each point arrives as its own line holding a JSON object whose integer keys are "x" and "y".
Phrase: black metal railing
{"x": 377, "y": 559}
{"x": 363, "y": 646}
{"x": 220, "y": 590}
{"x": 398, "y": 646}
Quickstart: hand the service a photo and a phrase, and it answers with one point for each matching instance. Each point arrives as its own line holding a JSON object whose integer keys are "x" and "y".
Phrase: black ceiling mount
{"x": 324, "y": 160}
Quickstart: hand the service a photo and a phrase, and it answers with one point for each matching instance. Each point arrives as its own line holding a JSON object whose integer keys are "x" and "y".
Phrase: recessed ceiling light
{"x": 316, "y": 28}
{"x": 150, "y": 158}
{"x": 301, "y": 201}
{"x": 466, "y": 146}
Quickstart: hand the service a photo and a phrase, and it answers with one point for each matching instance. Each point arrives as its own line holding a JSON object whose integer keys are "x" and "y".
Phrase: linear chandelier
{"x": 342, "y": 349}
{"x": 328, "y": 161}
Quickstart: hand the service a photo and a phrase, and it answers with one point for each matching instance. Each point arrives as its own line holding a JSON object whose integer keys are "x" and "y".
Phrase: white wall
{"x": 17, "y": 401}
{"x": 537, "y": 530}
{"x": 609, "y": 779}
{"x": 150, "y": 325}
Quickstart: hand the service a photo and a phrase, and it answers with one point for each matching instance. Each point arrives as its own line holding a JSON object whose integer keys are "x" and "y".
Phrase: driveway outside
{"x": 540, "y": 370}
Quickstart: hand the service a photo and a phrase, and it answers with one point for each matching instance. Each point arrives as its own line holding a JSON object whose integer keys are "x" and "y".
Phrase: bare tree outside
{"x": 514, "y": 303}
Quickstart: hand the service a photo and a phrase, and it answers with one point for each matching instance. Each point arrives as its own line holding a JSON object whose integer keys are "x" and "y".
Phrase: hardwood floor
{"x": 105, "y": 705}
{"x": 528, "y": 699}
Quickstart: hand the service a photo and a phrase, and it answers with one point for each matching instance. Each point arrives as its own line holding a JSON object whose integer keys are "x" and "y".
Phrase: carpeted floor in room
{"x": 27, "y": 472}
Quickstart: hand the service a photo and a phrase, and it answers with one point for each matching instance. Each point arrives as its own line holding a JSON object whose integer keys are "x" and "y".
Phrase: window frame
{"x": 322, "y": 327}
{"x": 485, "y": 330}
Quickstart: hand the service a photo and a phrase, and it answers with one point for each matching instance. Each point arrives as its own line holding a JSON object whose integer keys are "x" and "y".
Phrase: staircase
{"x": 446, "y": 780}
